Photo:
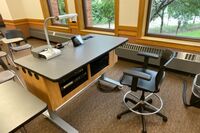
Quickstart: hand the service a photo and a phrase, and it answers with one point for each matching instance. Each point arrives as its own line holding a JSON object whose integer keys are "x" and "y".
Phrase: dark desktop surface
{"x": 71, "y": 58}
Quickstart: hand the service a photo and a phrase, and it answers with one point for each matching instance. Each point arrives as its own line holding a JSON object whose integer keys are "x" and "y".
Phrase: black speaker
{"x": 77, "y": 40}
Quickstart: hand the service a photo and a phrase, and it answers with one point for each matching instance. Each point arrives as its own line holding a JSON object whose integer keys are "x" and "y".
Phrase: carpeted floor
{"x": 95, "y": 112}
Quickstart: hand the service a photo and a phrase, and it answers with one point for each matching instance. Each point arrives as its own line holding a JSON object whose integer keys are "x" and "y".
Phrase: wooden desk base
{"x": 49, "y": 91}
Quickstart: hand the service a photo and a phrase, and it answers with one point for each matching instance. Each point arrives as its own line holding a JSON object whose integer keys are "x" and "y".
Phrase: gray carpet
{"x": 95, "y": 112}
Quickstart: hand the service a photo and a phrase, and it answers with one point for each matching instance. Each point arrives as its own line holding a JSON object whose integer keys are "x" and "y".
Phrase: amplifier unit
{"x": 99, "y": 63}
{"x": 73, "y": 80}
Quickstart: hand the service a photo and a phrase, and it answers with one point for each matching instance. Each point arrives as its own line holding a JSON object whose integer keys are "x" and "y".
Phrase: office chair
{"x": 3, "y": 65}
{"x": 4, "y": 55}
{"x": 1, "y": 22}
{"x": 195, "y": 96}
{"x": 7, "y": 57}
{"x": 145, "y": 80}
{"x": 16, "y": 33}
{"x": 7, "y": 75}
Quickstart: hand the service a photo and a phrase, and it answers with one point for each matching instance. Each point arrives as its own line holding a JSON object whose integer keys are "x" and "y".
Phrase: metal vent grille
{"x": 53, "y": 36}
{"x": 140, "y": 48}
{"x": 179, "y": 55}
{"x": 183, "y": 61}
{"x": 190, "y": 57}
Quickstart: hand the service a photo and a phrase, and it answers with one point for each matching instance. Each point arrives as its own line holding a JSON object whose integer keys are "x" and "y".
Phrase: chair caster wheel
{"x": 126, "y": 100}
{"x": 119, "y": 117}
{"x": 165, "y": 119}
{"x": 150, "y": 101}
{"x": 144, "y": 131}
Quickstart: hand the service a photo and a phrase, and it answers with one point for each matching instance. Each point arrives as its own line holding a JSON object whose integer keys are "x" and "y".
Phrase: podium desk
{"x": 58, "y": 80}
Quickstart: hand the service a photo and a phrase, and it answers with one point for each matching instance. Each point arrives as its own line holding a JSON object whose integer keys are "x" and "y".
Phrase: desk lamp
{"x": 53, "y": 52}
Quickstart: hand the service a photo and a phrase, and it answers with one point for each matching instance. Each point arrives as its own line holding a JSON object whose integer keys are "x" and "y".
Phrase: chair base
{"x": 142, "y": 109}
{"x": 195, "y": 101}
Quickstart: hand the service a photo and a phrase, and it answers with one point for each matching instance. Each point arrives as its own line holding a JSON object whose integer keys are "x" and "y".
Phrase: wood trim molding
{"x": 27, "y": 21}
{"x": 79, "y": 10}
{"x": 59, "y": 29}
{"x": 179, "y": 45}
{"x": 30, "y": 20}
{"x": 116, "y": 17}
{"x": 141, "y": 17}
{"x": 44, "y": 8}
{"x": 127, "y": 31}
{"x": 25, "y": 24}
{"x": 16, "y": 22}
{"x": 128, "y": 28}
{"x": 35, "y": 22}
{"x": 73, "y": 25}
{"x": 84, "y": 32}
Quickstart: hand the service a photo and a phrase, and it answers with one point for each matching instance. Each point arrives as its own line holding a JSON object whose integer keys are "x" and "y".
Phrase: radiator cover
{"x": 53, "y": 36}
{"x": 183, "y": 61}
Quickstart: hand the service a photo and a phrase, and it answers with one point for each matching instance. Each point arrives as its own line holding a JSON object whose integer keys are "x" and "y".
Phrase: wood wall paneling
{"x": 36, "y": 23}
{"x": 127, "y": 30}
{"x": 18, "y": 24}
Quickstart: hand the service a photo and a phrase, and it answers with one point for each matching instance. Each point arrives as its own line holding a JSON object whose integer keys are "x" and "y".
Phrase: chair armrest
{"x": 171, "y": 58}
{"x": 22, "y": 47}
{"x": 13, "y": 40}
{"x": 145, "y": 54}
{"x": 138, "y": 74}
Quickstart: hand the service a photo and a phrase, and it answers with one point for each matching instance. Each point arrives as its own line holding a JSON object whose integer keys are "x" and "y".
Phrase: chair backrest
{"x": 166, "y": 57}
{"x": 15, "y": 33}
{"x": 1, "y": 22}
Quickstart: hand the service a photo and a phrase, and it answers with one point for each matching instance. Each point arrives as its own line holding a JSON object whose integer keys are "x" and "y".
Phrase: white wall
{"x": 4, "y": 10}
{"x": 20, "y": 9}
{"x": 16, "y": 9}
{"x": 128, "y": 12}
{"x": 32, "y": 9}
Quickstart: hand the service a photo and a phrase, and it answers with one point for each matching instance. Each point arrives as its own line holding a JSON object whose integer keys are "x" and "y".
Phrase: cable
{"x": 184, "y": 94}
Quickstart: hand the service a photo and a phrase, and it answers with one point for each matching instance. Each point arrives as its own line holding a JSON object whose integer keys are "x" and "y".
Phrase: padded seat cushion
{"x": 148, "y": 86}
{"x": 6, "y": 75}
{"x": 22, "y": 47}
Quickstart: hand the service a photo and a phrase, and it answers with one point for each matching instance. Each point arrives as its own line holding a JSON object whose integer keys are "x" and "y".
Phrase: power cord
{"x": 184, "y": 93}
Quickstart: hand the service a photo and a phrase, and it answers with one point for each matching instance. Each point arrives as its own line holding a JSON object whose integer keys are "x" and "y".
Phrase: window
{"x": 99, "y": 14}
{"x": 57, "y": 7}
{"x": 174, "y": 19}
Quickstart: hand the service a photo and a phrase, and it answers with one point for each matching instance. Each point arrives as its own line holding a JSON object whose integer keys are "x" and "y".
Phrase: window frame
{"x": 163, "y": 35}
{"x": 49, "y": 10}
{"x": 96, "y": 28}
